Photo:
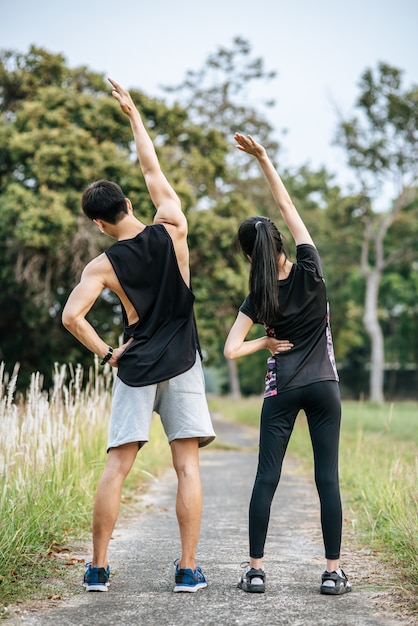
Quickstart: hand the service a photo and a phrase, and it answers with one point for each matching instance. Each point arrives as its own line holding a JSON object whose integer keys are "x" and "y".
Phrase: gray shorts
{"x": 180, "y": 402}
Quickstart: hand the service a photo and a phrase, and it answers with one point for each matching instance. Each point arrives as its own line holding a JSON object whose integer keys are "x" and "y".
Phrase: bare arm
{"x": 236, "y": 346}
{"x": 163, "y": 196}
{"x": 79, "y": 303}
{"x": 280, "y": 194}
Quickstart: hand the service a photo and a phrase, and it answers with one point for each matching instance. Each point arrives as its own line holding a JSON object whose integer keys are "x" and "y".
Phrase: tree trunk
{"x": 374, "y": 331}
{"x": 234, "y": 386}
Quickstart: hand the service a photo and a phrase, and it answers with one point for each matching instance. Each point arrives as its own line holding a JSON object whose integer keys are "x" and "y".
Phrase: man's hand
{"x": 123, "y": 97}
{"x": 278, "y": 345}
{"x": 249, "y": 145}
{"x": 117, "y": 353}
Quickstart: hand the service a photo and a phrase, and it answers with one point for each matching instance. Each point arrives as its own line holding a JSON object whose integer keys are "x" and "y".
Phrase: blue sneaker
{"x": 96, "y": 578}
{"x": 189, "y": 580}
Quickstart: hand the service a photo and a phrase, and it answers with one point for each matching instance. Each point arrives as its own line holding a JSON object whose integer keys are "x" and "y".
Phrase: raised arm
{"x": 280, "y": 194}
{"x": 163, "y": 196}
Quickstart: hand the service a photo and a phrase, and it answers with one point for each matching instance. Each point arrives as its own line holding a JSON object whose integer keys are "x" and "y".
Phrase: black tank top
{"x": 165, "y": 337}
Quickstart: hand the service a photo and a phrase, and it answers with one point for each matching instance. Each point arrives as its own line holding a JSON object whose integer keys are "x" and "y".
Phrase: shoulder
{"x": 160, "y": 233}
{"x": 307, "y": 248}
{"x": 308, "y": 258}
{"x": 174, "y": 220}
{"x": 306, "y": 251}
{"x": 98, "y": 262}
{"x": 97, "y": 267}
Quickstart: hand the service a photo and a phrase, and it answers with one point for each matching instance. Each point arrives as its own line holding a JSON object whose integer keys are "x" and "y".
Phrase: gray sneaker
{"x": 333, "y": 584}
{"x": 252, "y": 580}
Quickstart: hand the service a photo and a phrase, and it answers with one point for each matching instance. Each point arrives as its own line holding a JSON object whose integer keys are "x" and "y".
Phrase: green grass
{"x": 52, "y": 451}
{"x": 53, "y": 448}
{"x": 378, "y": 471}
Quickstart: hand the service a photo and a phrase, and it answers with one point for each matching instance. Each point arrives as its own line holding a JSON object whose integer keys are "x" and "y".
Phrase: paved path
{"x": 143, "y": 551}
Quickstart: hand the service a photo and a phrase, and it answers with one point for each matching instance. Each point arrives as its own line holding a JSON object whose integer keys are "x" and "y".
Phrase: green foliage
{"x": 381, "y": 142}
{"x": 212, "y": 96}
{"x": 383, "y": 137}
{"x": 60, "y": 129}
{"x": 219, "y": 280}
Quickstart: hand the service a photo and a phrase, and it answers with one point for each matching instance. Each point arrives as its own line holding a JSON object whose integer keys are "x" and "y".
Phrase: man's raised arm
{"x": 163, "y": 196}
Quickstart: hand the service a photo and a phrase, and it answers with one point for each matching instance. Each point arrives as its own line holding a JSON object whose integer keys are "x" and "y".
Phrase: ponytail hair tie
{"x": 257, "y": 224}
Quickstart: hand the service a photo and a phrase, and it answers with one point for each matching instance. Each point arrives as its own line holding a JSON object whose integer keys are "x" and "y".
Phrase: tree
{"x": 60, "y": 130}
{"x": 382, "y": 148}
{"x": 218, "y": 94}
{"x": 216, "y": 97}
{"x": 47, "y": 156}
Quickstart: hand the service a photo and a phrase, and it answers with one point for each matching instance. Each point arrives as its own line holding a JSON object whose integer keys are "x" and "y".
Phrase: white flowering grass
{"x": 52, "y": 451}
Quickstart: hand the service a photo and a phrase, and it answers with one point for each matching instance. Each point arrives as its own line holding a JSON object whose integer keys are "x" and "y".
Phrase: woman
{"x": 290, "y": 300}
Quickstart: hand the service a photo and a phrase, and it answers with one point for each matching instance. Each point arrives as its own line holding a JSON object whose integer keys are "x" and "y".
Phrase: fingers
{"x": 114, "y": 84}
{"x": 246, "y": 144}
{"x": 242, "y": 146}
{"x": 118, "y": 92}
{"x": 276, "y": 346}
{"x": 281, "y": 345}
{"x": 123, "y": 347}
{"x": 241, "y": 139}
{"x": 118, "y": 352}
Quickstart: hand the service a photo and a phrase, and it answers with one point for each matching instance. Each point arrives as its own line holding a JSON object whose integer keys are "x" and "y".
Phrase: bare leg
{"x": 106, "y": 508}
{"x": 333, "y": 565}
{"x": 185, "y": 453}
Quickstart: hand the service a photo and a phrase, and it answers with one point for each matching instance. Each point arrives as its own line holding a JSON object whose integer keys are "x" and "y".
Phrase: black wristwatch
{"x": 107, "y": 357}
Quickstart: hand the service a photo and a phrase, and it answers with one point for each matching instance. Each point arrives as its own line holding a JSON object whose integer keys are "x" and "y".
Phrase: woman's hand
{"x": 278, "y": 345}
{"x": 249, "y": 145}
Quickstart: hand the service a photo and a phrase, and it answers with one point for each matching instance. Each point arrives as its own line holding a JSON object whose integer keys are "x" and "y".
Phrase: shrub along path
{"x": 145, "y": 546}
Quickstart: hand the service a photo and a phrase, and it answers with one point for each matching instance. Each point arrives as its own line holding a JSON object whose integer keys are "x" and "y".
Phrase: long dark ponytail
{"x": 260, "y": 240}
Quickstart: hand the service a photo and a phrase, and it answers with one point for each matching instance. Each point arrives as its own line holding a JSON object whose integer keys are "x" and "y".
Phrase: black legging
{"x": 322, "y": 405}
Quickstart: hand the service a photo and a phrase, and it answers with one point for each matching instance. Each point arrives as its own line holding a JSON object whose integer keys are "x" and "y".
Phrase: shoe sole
{"x": 99, "y": 587}
{"x": 189, "y": 588}
{"x": 331, "y": 591}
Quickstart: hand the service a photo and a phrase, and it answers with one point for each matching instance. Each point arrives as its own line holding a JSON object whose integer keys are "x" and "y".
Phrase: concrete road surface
{"x": 143, "y": 550}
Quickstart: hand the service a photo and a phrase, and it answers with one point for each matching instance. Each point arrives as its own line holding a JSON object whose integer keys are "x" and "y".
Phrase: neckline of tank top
{"x": 135, "y": 236}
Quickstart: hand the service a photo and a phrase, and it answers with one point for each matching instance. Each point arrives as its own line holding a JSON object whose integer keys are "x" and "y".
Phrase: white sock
{"x": 256, "y": 580}
{"x": 331, "y": 583}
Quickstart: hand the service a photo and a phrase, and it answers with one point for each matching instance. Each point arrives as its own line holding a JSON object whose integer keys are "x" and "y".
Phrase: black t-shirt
{"x": 304, "y": 321}
{"x": 165, "y": 337}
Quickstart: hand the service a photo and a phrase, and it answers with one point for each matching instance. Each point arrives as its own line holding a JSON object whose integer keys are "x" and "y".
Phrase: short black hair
{"x": 104, "y": 200}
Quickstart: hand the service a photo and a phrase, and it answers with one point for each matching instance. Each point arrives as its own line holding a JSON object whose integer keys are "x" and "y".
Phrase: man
{"x": 159, "y": 364}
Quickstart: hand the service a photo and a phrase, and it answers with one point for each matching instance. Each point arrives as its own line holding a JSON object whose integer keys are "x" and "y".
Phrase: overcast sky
{"x": 319, "y": 50}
